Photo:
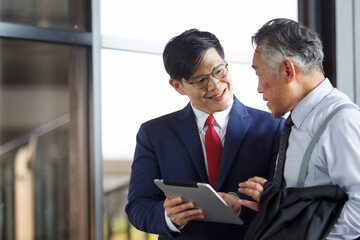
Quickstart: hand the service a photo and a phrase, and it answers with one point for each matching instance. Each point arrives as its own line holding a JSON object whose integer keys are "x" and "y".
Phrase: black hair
{"x": 183, "y": 54}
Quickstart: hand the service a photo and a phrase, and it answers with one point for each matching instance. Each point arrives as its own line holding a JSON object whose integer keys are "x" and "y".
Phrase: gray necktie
{"x": 284, "y": 139}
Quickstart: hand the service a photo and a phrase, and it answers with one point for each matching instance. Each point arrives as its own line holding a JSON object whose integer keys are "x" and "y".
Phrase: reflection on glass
{"x": 34, "y": 140}
{"x": 45, "y": 13}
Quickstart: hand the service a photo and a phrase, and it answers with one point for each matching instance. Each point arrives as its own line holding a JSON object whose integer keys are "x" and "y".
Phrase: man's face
{"x": 217, "y": 95}
{"x": 273, "y": 86}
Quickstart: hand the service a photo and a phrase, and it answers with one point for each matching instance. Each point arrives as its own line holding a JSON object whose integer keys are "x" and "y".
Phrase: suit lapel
{"x": 236, "y": 129}
{"x": 187, "y": 129}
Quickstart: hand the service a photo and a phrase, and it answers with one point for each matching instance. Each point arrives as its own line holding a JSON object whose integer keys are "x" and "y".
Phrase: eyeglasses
{"x": 200, "y": 82}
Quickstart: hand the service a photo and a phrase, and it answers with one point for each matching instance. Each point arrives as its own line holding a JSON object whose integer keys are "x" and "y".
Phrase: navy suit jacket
{"x": 169, "y": 148}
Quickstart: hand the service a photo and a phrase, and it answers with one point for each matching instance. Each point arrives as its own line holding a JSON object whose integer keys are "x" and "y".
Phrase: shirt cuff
{"x": 170, "y": 224}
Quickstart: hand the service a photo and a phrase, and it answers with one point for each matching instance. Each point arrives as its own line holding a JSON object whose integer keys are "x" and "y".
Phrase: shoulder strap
{"x": 314, "y": 140}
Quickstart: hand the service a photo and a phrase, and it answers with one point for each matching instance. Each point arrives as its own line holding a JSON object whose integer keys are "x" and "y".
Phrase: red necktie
{"x": 213, "y": 149}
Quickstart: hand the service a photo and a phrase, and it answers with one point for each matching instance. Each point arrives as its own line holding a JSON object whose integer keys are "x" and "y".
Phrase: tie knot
{"x": 210, "y": 120}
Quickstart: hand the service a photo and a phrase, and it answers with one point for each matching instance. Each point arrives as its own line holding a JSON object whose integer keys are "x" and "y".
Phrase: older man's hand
{"x": 254, "y": 188}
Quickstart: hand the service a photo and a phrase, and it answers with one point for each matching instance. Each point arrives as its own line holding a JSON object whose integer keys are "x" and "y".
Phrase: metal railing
{"x": 116, "y": 223}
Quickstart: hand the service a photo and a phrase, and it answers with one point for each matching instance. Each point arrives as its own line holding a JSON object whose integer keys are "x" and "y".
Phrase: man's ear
{"x": 289, "y": 68}
{"x": 177, "y": 85}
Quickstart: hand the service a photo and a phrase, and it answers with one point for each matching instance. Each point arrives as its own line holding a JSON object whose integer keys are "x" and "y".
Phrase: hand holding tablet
{"x": 204, "y": 197}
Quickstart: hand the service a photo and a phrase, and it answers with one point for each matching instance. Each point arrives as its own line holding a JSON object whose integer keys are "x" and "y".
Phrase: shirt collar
{"x": 310, "y": 101}
{"x": 221, "y": 118}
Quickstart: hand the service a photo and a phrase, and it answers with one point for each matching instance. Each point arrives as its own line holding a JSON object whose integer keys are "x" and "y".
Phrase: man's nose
{"x": 259, "y": 88}
{"x": 213, "y": 82}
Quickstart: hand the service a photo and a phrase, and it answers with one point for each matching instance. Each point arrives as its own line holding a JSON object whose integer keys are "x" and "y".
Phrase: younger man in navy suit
{"x": 172, "y": 147}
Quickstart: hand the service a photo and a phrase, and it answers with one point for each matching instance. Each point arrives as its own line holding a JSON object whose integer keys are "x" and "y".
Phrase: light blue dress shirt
{"x": 336, "y": 157}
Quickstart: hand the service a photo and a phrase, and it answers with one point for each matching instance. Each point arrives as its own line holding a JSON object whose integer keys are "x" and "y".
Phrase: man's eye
{"x": 200, "y": 80}
{"x": 218, "y": 71}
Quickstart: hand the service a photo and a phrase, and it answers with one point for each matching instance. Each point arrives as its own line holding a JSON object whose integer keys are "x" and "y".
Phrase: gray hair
{"x": 286, "y": 39}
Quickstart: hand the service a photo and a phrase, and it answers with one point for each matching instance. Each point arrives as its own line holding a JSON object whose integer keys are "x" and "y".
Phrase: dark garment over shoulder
{"x": 296, "y": 213}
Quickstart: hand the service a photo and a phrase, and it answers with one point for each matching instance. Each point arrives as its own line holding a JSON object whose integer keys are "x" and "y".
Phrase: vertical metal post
{"x": 356, "y": 10}
{"x": 345, "y": 47}
{"x": 97, "y": 170}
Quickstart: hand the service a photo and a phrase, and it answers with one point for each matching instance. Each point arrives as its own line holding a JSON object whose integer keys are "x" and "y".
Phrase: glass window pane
{"x": 232, "y": 21}
{"x": 130, "y": 97}
{"x": 34, "y": 86}
{"x": 35, "y": 123}
{"x": 45, "y": 13}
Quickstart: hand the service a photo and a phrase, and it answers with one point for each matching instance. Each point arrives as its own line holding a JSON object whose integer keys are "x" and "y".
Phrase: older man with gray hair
{"x": 288, "y": 62}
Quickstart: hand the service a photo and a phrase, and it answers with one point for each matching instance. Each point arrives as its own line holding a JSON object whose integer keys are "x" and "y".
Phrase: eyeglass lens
{"x": 218, "y": 73}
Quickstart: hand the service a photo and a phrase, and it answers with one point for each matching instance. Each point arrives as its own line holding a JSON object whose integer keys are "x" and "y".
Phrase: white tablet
{"x": 205, "y": 197}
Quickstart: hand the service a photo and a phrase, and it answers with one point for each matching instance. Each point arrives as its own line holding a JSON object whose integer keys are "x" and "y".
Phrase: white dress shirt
{"x": 336, "y": 157}
{"x": 220, "y": 124}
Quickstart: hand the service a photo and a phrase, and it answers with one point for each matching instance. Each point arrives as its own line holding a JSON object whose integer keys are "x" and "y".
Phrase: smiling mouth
{"x": 219, "y": 96}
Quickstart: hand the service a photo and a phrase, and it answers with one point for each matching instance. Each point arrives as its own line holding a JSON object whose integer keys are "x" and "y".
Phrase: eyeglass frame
{"x": 208, "y": 76}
